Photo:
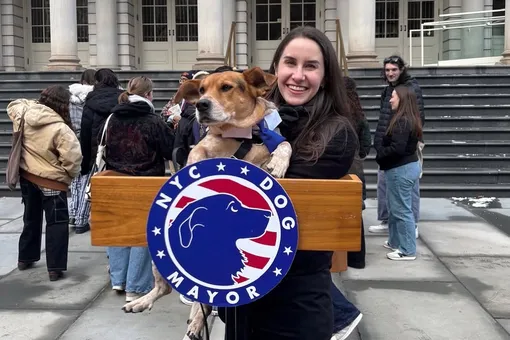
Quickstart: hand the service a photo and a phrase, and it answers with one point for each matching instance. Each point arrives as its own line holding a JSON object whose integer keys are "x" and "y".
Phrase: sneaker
{"x": 185, "y": 300}
{"x": 80, "y": 229}
{"x": 118, "y": 288}
{"x": 398, "y": 256}
{"x": 379, "y": 229}
{"x": 387, "y": 246}
{"x": 133, "y": 296}
{"x": 25, "y": 265}
{"x": 417, "y": 233}
{"x": 214, "y": 311}
{"x": 344, "y": 333}
{"x": 72, "y": 222}
{"x": 55, "y": 275}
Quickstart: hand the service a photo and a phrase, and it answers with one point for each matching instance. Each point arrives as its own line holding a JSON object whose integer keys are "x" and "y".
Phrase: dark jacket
{"x": 300, "y": 307}
{"x": 184, "y": 136}
{"x": 365, "y": 143}
{"x": 386, "y": 113}
{"x": 138, "y": 141}
{"x": 397, "y": 148}
{"x": 98, "y": 106}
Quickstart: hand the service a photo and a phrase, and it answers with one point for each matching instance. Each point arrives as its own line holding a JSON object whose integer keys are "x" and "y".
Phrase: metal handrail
{"x": 488, "y": 21}
{"x": 470, "y": 13}
{"x": 340, "y": 49}
{"x": 230, "y": 54}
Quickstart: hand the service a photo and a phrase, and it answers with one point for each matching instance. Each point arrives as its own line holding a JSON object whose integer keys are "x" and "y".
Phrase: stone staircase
{"x": 467, "y": 129}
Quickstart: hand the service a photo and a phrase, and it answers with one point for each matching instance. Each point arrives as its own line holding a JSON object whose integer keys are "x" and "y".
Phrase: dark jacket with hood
{"x": 138, "y": 141}
{"x": 98, "y": 106}
{"x": 386, "y": 113}
{"x": 300, "y": 306}
{"x": 184, "y": 134}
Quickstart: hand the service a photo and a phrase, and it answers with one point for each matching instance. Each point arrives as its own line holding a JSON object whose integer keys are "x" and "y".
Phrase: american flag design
{"x": 258, "y": 253}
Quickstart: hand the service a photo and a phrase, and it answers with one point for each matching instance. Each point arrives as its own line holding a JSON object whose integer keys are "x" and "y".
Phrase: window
{"x": 500, "y": 29}
{"x": 154, "y": 20}
{"x": 302, "y": 13}
{"x": 418, "y": 12}
{"x": 40, "y": 21}
{"x": 186, "y": 20}
{"x": 387, "y": 18}
{"x": 268, "y": 16}
{"x": 82, "y": 19}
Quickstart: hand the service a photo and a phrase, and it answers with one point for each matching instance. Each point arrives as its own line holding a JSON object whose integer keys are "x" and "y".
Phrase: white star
{"x": 221, "y": 167}
{"x": 156, "y": 231}
{"x": 244, "y": 170}
{"x": 277, "y": 271}
{"x": 161, "y": 254}
{"x": 287, "y": 250}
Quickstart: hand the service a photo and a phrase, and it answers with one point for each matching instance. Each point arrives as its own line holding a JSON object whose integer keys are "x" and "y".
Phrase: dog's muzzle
{"x": 204, "y": 110}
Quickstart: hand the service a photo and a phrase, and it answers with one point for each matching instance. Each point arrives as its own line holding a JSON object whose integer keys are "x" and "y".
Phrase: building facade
{"x": 184, "y": 34}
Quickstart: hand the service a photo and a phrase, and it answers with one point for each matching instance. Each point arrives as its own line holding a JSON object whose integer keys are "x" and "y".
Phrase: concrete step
{"x": 448, "y": 99}
{"x": 458, "y": 121}
{"x": 442, "y": 79}
{"x": 38, "y": 85}
{"x": 454, "y": 190}
{"x": 475, "y": 176}
{"x": 433, "y": 147}
{"x": 440, "y": 89}
{"x": 459, "y": 162}
{"x": 75, "y": 76}
{"x": 464, "y": 134}
{"x": 481, "y": 109}
{"x": 434, "y": 71}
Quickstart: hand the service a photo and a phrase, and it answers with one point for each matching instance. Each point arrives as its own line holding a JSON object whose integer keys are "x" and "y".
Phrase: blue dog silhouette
{"x": 204, "y": 235}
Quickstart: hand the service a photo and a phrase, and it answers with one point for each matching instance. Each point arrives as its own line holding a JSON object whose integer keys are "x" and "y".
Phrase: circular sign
{"x": 222, "y": 232}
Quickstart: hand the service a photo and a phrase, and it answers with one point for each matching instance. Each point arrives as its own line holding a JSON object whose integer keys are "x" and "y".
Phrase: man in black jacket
{"x": 395, "y": 73}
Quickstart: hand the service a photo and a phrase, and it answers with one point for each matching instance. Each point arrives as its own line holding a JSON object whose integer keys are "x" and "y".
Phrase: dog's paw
{"x": 191, "y": 336}
{"x": 195, "y": 329}
{"x": 137, "y": 306}
{"x": 276, "y": 167}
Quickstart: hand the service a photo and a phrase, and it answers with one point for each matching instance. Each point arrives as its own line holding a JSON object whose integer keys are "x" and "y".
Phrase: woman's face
{"x": 300, "y": 71}
{"x": 394, "y": 101}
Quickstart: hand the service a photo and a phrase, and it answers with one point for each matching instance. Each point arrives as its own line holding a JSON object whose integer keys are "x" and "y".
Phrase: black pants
{"x": 356, "y": 259}
{"x": 57, "y": 226}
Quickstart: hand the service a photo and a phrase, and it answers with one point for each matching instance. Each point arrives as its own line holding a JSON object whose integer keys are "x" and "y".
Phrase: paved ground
{"x": 456, "y": 290}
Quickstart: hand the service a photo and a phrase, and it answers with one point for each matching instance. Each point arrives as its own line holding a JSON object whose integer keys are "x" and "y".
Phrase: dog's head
{"x": 228, "y": 98}
{"x": 219, "y": 216}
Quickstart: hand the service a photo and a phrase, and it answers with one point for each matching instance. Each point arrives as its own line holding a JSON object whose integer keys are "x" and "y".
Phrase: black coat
{"x": 398, "y": 148}
{"x": 184, "y": 137}
{"x": 98, "y": 106}
{"x": 300, "y": 307}
{"x": 386, "y": 113}
{"x": 138, "y": 141}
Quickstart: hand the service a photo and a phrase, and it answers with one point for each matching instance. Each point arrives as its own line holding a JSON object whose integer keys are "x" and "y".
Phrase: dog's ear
{"x": 259, "y": 79}
{"x": 189, "y": 91}
{"x": 187, "y": 227}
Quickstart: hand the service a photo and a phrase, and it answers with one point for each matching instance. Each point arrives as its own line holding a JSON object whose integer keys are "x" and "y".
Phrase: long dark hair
{"x": 353, "y": 99}
{"x": 407, "y": 109}
{"x": 57, "y": 98}
{"x": 106, "y": 78}
{"x": 329, "y": 113}
{"x": 87, "y": 77}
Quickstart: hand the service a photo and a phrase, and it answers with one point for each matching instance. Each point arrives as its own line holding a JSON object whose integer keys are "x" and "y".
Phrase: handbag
{"x": 100, "y": 163}
{"x": 12, "y": 171}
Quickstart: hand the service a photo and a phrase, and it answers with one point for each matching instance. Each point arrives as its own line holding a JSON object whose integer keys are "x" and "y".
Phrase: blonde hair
{"x": 138, "y": 85}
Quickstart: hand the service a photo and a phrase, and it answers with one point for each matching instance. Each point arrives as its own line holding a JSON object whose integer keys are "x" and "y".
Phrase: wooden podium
{"x": 329, "y": 212}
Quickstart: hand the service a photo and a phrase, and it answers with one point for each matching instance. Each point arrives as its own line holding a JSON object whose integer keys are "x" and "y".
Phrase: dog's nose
{"x": 203, "y": 105}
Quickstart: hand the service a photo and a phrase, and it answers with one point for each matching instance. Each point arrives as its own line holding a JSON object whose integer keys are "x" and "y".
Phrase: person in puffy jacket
{"x": 79, "y": 207}
{"x": 98, "y": 106}
{"x": 50, "y": 159}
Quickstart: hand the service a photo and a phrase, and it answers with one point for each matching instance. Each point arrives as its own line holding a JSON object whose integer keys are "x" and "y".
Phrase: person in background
{"x": 172, "y": 119}
{"x": 397, "y": 157}
{"x": 50, "y": 159}
{"x": 98, "y": 106}
{"x": 138, "y": 143}
{"x": 79, "y": 207}
{"x": 395, "y": 74}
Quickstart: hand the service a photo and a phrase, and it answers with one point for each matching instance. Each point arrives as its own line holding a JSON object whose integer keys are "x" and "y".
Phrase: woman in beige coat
{"x": 50, "y": 159}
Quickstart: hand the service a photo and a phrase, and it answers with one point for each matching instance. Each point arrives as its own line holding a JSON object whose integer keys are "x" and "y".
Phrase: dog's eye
{"x": 201, "y": 90}
{"x": 226, "y": 88}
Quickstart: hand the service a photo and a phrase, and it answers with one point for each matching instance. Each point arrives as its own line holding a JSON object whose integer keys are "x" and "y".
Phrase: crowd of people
{"x": 330, "y": 137}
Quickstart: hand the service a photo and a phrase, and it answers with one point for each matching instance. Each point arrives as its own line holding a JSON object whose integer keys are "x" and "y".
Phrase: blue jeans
{"x": 400, "y": 182}
{"x": 382, "y": 207}
{"x": 131, "y": 267}
{"x": 344, "y": 312}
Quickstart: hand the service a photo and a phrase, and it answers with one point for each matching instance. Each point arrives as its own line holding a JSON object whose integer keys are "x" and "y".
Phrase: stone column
{"x": 362, "y": 34}
{"x": 106, "y": 38}
{"x": 1, "y": 44}
{"x": 229, "y": 15}
{"x": 473, "y": 37}
{"x": 210, "y": 35}
{"x": 342, "y": 13}
{"x": 506, "y": 53}
{"x": 63, "y": 30}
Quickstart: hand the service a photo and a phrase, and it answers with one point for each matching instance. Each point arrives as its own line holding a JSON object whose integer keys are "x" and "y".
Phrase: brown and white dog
{"x": 224, "y": 101}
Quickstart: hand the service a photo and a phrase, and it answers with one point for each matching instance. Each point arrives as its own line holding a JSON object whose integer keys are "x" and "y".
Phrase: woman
{"x": 79, "y": 207}
{"x": 317, "y": 124}
{"x": 50, "y": 159}
{"x": 98, "y": 106}
{"x": 397, "y": 157}
{"x": 138, "y": 142}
